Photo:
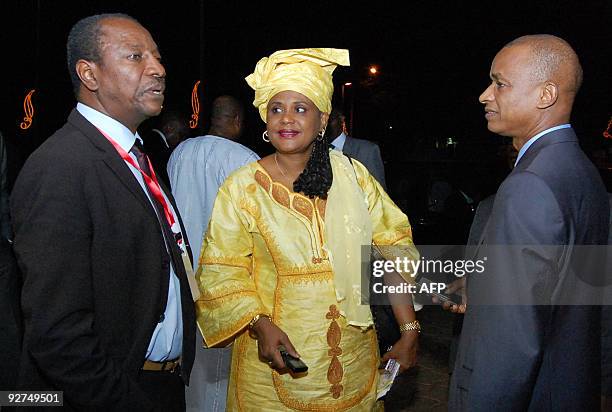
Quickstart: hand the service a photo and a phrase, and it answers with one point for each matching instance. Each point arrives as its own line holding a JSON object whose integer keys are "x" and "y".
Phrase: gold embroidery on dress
{"x": 237, "y": 261}
{"x": 234, "y": 287}
{"x": 263, "y": 180}
{"x": 281, "y": 268}
{"x": 293, "y": 270}
{"x": 220, "y": 300}
{"x": 390, "y": 239}
{"x": 309, "y": 278}
{"x": 302, "y": 205}
{"x": 286, "y": 397}
{"x": 334, "y": 334}
{"x": 241, "y": 352}
{"x": 280, "y": 194}
{"x": 231, "y": 328}
{"x": 321, "y": 204}
{"x": 251, "y": 207}
{"x": 266, "y": 233}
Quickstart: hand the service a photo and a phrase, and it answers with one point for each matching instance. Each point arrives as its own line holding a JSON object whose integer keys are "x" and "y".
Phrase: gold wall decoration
{"x": 28, "y": 110}
{"x": 195, "y": 106}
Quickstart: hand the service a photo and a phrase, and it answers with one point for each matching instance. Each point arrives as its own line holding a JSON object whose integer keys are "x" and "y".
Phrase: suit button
{"x": 161, "y": 318}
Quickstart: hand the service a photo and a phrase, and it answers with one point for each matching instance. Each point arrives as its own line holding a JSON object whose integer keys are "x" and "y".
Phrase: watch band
{"x": 414, "y": 325}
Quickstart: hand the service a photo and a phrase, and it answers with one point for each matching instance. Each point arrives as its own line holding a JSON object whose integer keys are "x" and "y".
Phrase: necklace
{"x": 278, "y": 166}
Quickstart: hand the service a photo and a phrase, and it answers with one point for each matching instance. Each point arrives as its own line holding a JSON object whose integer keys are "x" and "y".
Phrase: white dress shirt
{"x": 339, "y": 141}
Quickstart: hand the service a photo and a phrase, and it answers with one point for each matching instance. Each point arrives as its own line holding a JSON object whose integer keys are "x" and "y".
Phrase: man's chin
{"x": 154, "y": 110}
{"x": 494, "y": 128}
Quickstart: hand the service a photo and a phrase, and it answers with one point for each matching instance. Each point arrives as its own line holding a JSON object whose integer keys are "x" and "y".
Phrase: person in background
{"x": 10, "y": 286}
{"x": 160, "y": 142}
{"x": 108, "y": 314}
{"x": 365, "y": 151}
{"x": 5, "y": 216}
{"x": 197, "y": 168}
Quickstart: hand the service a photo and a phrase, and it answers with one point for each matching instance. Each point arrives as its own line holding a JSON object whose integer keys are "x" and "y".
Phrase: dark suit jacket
{"x": 606, "y": 335}
{"x": 528, "y": 357}
{"x": 10, "y": 317}
{"x": 367, "y": 153}
{"x": 5, "y": 220}
{"x": 95, "y": 272}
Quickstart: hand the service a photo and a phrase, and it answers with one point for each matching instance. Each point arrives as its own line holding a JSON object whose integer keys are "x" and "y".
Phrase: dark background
{"x": 433, "y": 57}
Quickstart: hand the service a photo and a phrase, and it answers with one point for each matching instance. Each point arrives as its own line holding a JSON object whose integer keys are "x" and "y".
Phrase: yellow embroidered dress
{"x": 265, "y": 252}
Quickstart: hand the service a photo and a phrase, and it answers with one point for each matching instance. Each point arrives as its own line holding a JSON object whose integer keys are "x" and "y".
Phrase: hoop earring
{"x": 321, "y": 135}
{"x": 265, "y": 137}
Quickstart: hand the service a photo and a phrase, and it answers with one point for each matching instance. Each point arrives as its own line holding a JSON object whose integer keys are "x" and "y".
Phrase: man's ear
{"x": 548, "y": 95}
{"x": 86, "y": 71}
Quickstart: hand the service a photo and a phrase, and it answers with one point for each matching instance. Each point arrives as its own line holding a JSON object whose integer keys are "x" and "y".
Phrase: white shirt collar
{"x": 339, "y": 141}
{"x": 117, "y": 131}
{"x": 536, "y": 137}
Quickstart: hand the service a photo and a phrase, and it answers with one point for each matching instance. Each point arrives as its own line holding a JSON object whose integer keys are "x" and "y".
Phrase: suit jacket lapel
{"x": 558, "y": 136}
{"x": 349, "y": 147}
{"x": 111, "y": 158}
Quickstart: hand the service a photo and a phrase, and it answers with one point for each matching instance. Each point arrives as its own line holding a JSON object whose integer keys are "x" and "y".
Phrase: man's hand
{"x": 269, "y": 338}
{"x": 457, "y": 287}
{"x": 404, "y": 350}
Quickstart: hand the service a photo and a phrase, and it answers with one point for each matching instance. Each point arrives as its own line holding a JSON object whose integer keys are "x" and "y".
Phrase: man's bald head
{"x": 226, "y": 118}
{"x": 553, "y": 59}
{"x": 225, "y": 106}
{"x": 534, "y": 80}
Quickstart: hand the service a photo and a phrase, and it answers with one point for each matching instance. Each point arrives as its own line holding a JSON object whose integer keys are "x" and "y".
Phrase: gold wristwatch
{"x": 414, "y": 325}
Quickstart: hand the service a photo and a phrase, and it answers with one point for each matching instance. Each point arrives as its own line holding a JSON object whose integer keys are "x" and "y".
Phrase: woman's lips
{"x": 287, "y": 134}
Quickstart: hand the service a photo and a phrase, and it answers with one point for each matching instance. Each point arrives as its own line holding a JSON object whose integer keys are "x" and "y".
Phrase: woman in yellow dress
{"x": 281, "y": 260}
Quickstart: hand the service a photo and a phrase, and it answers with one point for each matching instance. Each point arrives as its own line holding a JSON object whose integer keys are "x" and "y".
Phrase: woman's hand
{"x": 404, "y": 351}
{"x": 269, "y": 338}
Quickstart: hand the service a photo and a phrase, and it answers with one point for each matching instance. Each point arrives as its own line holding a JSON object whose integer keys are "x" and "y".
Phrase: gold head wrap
{"x": 306, "y": 71}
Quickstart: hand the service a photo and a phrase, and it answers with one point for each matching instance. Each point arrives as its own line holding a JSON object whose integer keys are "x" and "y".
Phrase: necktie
{"x": 141, "y": 157}
{"x": 143, "y": 163}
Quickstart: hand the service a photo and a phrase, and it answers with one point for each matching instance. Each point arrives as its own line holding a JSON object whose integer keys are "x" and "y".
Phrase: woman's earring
{"x": 264, "y": 136}
{"x": 321, "y": 134}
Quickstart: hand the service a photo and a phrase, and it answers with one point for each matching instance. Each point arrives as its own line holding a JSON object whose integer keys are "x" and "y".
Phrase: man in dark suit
{"x": 365, "y": 151}
{"x": 521, "y": 348}
{"x": 108, "y": 313}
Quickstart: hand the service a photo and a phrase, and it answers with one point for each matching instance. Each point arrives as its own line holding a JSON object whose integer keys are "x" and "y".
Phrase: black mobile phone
{"x": 452, "y": 298}
{"x": 294, "y": 364}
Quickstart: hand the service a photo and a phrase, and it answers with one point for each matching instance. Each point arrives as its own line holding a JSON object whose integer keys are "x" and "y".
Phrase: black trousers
{"x": 10, "y": 317}
{"x": 165, "y": 389}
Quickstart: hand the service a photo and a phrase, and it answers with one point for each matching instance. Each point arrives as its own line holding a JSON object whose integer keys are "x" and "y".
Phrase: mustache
{"x": 158, "y": 84}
